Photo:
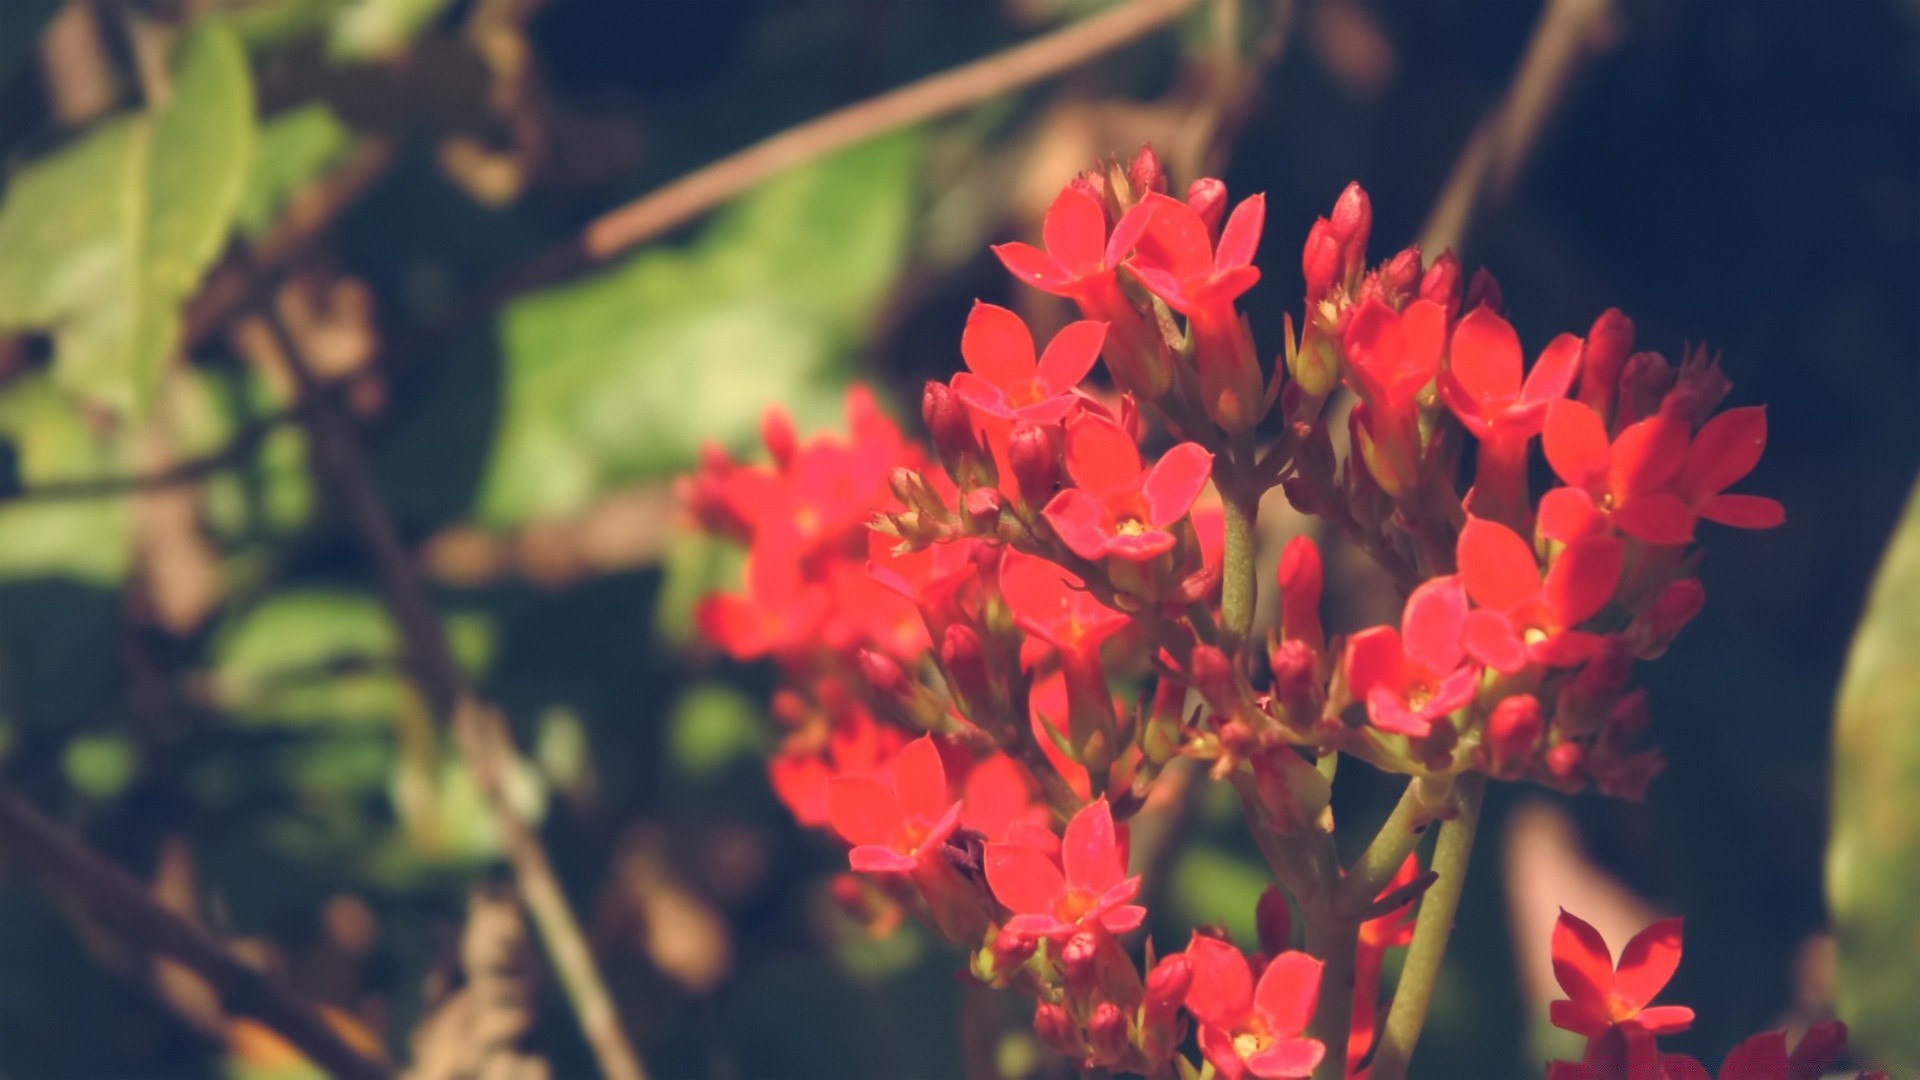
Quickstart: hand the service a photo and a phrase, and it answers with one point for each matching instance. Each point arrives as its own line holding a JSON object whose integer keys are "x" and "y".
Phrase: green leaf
{"x": 1873, "y": 859}
{"x": 102, "y": 241}
{"x": 296, "y": 147}
{"x": 85, "y": 540}
{"x": 710, "y": 726}
{"x": 1210, "y": 886}
{"x": 380, "y": 29}
{"x": 620, "y": 377}
{"x": 100, "y": 766}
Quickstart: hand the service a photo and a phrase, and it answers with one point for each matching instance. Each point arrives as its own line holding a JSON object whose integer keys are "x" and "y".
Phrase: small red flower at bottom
{"x": 1248, "y": 1029}
{"x": 1601, "y": 997}
{"x": 894, "y": 828}
{"x": 1094, "y": 889}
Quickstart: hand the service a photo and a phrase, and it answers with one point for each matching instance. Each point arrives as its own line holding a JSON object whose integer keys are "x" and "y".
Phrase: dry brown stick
{"x": 936, "y": 95}
{"x": 119, "y": 900}
{"x": 478, "y": 730}
{"x": 1570, "y": 35}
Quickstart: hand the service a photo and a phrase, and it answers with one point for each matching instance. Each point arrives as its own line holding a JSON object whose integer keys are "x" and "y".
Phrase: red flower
{"x": 1248, "y": 1029}
{"x": 1393, "y": 356}
{"x": 894, "y": 827}
{"x": 1053, "y": 604}
{"x": 1120, "y": 508}
{"x": 780, "y": 609}
{"x": 1179, "y": 263}
{"x": 1599, "y": 997}
{"x": 997, "y": 794}
{"x": 1482, "y": 385}
{"x": 1005, "y": 381}
{"x": 1416, "y": 675}
{"x": 1650, "y": 482}
{"x": 1392, "y": 930}
{"x": 1093, "y": 890}
{"x": 1080, "y": 258}
{"x": 1523, "y": 618}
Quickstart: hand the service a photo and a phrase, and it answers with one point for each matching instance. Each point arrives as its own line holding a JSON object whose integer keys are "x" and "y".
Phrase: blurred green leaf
{"x": 711, "y": 725}
{"x": 1873, "y": 860}
{"x": 100, "y": 766}
{"x": 102, "y": 241}
{"x": 323, "y": 657}
{"x": 622, "y": 376}
{"x": 86, "y": 540}
{"x": 1208, "y": 886}
{"x": 380, "y": 29}
{"x": 296, "y": 147}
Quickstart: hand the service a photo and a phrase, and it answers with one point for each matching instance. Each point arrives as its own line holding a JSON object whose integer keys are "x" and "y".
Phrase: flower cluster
{"x": 992, "y": 652}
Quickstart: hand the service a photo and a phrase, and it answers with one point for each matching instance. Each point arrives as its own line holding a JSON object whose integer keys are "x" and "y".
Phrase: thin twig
{"x": 478, "y": 730}
{"x": 1571, "y": 34}
{"x": 118, "y": 899}
{"x": 936, "y": 95}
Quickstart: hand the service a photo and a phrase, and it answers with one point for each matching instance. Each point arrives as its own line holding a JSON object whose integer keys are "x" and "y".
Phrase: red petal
{"x": 1490, "y": 639}
{"x": 1287, "y": 992}
{"x": 1127, "y": 232}
{"x": 1743, "y": 511}
{"x": 1648, "y": 962}
{"x": 1577, "y": 1018}
{"x": 1124, "y": 919}
{"x": 1038, "y": 925}
{"x": 1431, "y": 627}
{"x": 1389, "y": 713}
{"x": 1035, "y": 267}
{"x": 1647, "y": 455}
{"x": 1175, "y": 239}
{"x": 1101, "y": 456}
{"x": 1070, "y": 355}
{"x": 1075, "y": 231}
{"x": 863, "y": 810}
{"x": 1486, "y": 359}
{"x": 1758, "y": 1057}
{"x": 1497, "y": 566}
{"x": 997, "y": 346}
{"x": 1582, "y": 965}
{"x": 1725, "y": 449}
{"x": 874, "y": 859}
{"x": 1568, "y": 648}
{"x": 1374, "y": 660}
{"x": 1140, "y": 547}
{"x": 1455, "y": 691}
{"x": 920, "y": 781}
{"x": 1553, "y": 373}
{"x": 1582, "y": 578}
{"x": 1090, "y": 852}
{"x": 1023, "y": 879}
{"x": 1081, "y": 523}
{"x": 1665, "y": 1019}
{"x": 1473, "y": 415}
{"x": 1568, "y": 513}
{"x": 1222, "y": 991}
{"x": 1655, "y": 519}
{"x": 982, "y": 395}
{"x": 1218, "y": 1048}
{"x": 1575, "y": 440}
{"x": 1174, "y": 482}
{"x": 1288, "y": 1059}
{"x": 1242, "y": 234}
{"x": 1163, "y": 285}
{"x": 1682, "y": 1067}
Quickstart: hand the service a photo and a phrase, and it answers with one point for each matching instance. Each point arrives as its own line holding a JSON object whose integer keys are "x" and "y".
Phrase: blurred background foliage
{"x": 201, "y": 678}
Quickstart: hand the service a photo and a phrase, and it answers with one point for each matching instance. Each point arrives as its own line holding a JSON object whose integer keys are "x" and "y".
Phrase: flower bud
{"x": 1273, "y": 921}
{"x": 1441, "y": 282}
{"x": 1094, "y": 182}
{"x": 951, "y": 428}
{"x": 1315, "y": 365}
{"x": 1609, "y": 343}
{"x": 965, "y": 664}
{"x": 1166, "y": 728}
{"x": 1512, "y": 733}
{"x": 1145, "y": 173}
{"x": 1080, "y": 957}
{"x": 1131, "y": 421}
{"x": 1400, "y": 276}
{"x": 1212, "y": 675}
{"x": 1010, "y": 950}
{"x": 1055, "y": 1028}
{"x": 887, "y": 678}
{"x": 1107, "y": 1034}
{"x": 1644, "y": 383}
{"x": 1698, "y": 389}
{"x": 1169, "y": 981}
{"x": 980, "y": 511}
{"x": 1208, "y": 198}
{"x": 1320, "y": 261}
{"x": 1296, "y": 681}
{"x": 1484, "y": 291}
{"x": 1351, "y": 223}
{"x": 1034, "y": 456}
{"x": 1628, "y": 721}
{"x": 776, "y": 430}
{"x": 1567, "y": 764}
{"x": 1301, "y": 578}
{"x": 1656, "y": 627}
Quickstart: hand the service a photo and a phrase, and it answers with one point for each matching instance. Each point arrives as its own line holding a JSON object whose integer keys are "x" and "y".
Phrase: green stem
{"x": 1437, "y": 908}
{"x": 1388, "y": 850}
{"x": 1333, "y": 938}
{"x": 1238, "y": 578}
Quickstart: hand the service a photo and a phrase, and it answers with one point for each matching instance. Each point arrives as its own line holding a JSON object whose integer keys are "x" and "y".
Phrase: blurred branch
{"x": 120, "y": 900}
{"x": 478, "y": 730}
{"x": 969, "y": 84}
{"x": 1570, "y": 36}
